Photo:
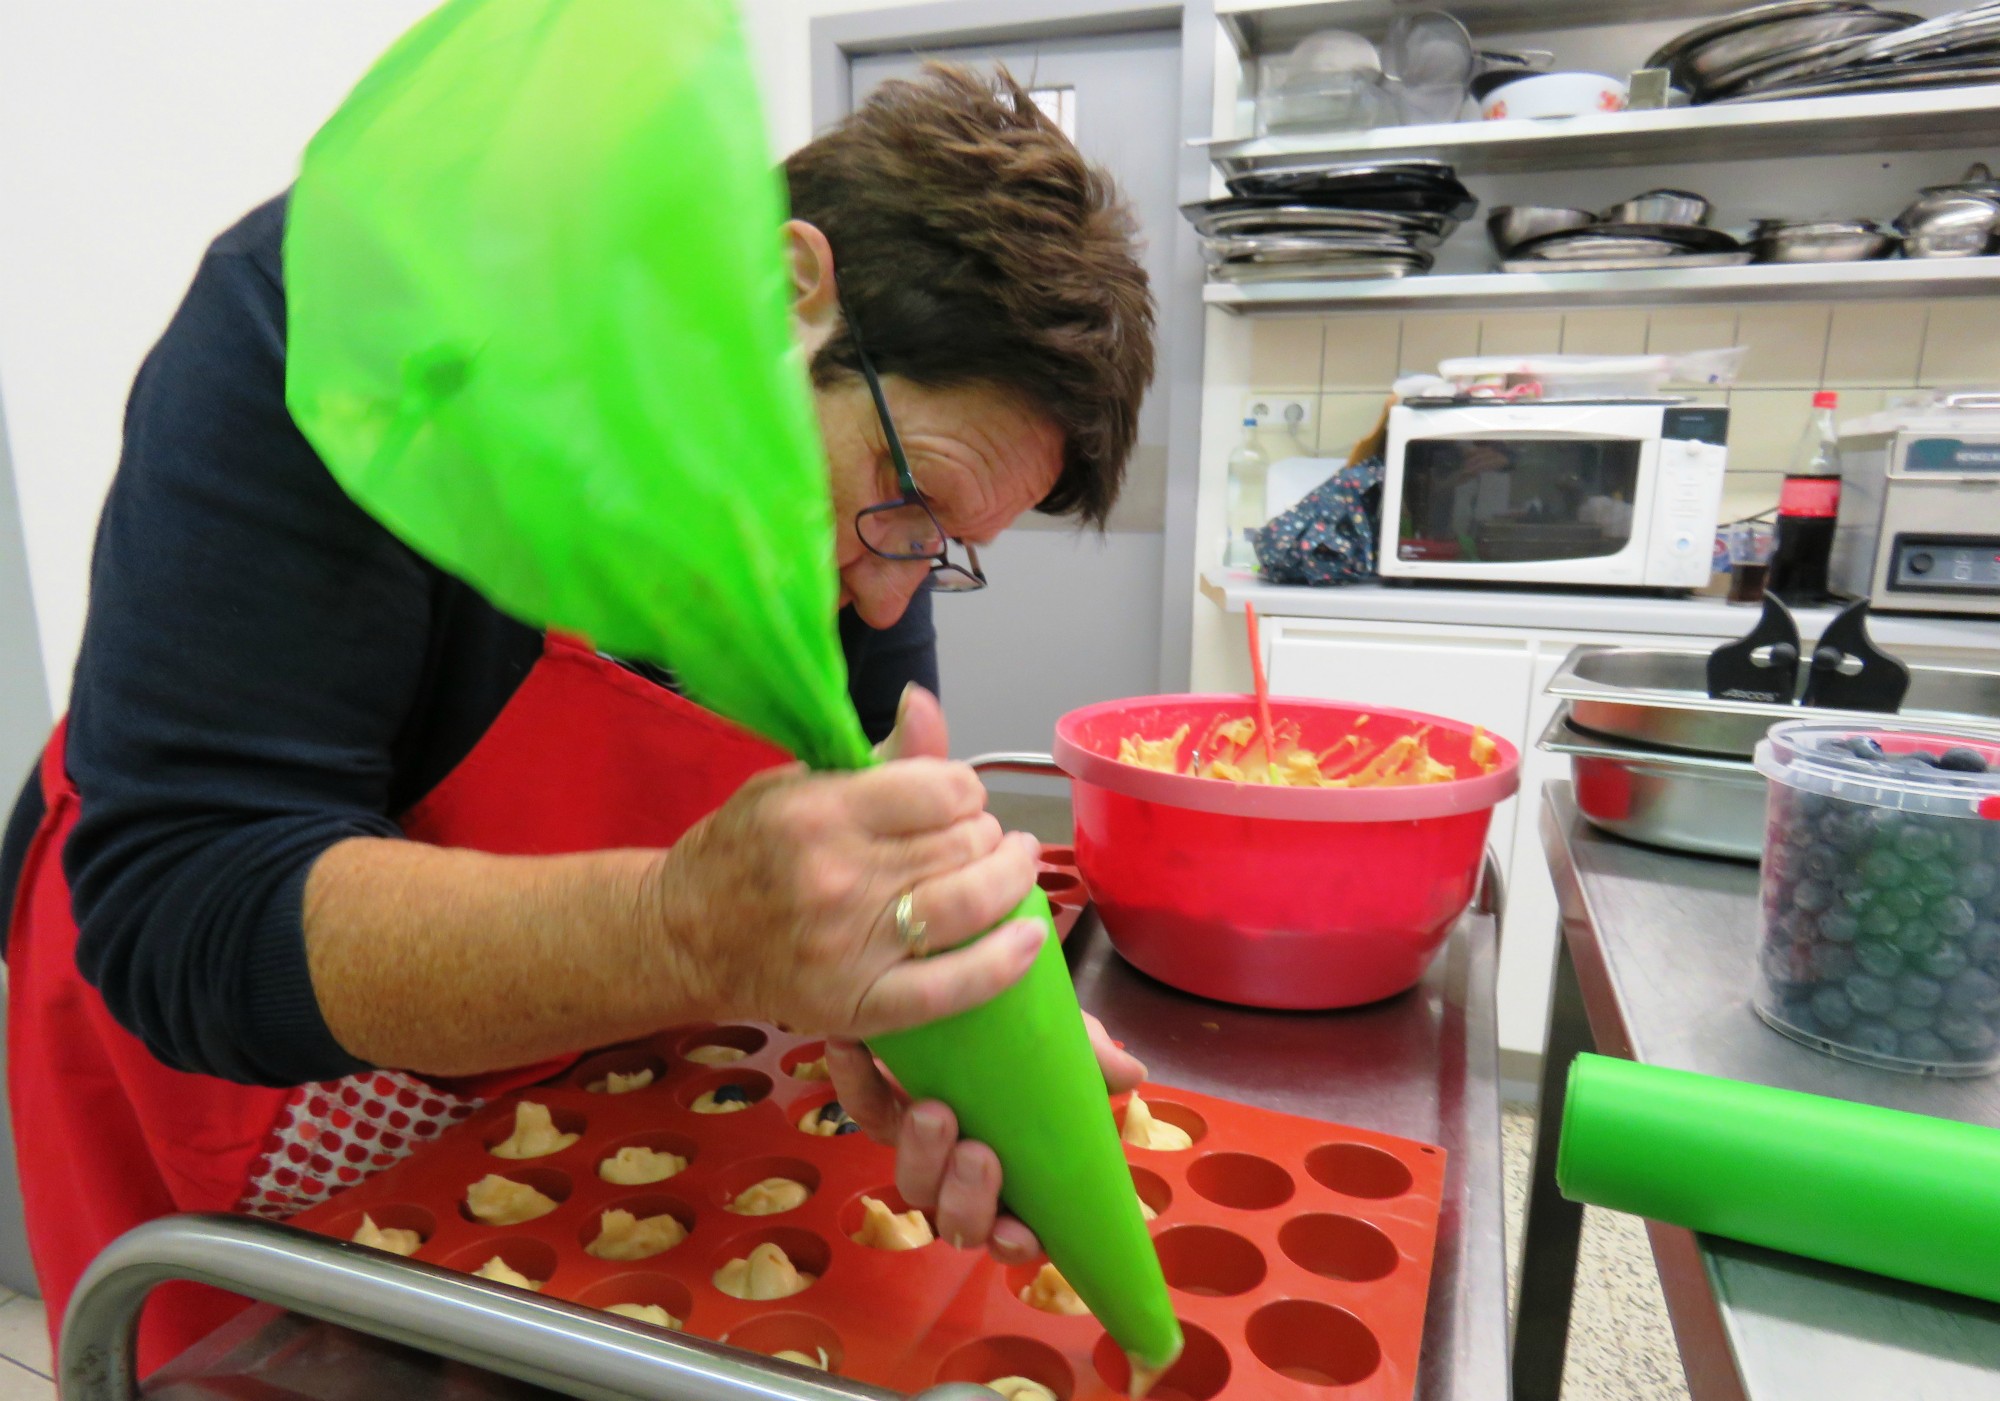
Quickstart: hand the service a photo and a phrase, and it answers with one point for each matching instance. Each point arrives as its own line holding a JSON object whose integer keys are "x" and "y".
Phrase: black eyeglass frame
{"x": 947, "y": 575}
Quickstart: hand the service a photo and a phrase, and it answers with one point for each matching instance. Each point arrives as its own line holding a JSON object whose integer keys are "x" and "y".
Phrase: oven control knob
{"x": 1921, "y": 563}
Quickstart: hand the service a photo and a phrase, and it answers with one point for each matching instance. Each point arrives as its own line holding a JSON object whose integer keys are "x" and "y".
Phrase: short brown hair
{"x": 972, "y": 243}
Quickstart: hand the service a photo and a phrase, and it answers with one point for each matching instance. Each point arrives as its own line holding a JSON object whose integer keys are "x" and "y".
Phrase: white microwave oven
{"x": 1598, "y": 494}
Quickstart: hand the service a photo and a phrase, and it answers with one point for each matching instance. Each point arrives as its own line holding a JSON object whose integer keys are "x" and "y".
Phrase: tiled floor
{"x": 1621, "y": 1347}
{"x": 24, "y": 1350}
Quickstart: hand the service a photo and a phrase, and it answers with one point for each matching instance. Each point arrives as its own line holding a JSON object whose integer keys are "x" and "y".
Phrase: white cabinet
{"x": 1490, "y": 676}
{"x": 1481, "y": 675}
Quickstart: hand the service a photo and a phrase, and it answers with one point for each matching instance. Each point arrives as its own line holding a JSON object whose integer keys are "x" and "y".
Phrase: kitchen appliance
{"x": 1919, "y": 525}
{"x": 1270, "y": 896}
{"x": 1607, "y": 494}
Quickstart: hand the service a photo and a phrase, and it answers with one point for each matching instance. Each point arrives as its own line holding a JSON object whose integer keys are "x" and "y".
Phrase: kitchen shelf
{"x": 1813, "y": 126}
{"x": 1895, "y": 277}
{"x": 1272, "y": 26}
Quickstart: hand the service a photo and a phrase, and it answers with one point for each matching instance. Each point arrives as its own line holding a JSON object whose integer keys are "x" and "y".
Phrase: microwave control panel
{"x": 1689, "y": 498}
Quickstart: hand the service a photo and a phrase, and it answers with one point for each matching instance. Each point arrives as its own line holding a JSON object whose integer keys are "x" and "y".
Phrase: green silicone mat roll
{"x": 1905, "y": 1195}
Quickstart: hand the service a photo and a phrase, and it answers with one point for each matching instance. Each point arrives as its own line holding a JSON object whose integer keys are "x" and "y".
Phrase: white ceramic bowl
{"x": 1554, "y": 95}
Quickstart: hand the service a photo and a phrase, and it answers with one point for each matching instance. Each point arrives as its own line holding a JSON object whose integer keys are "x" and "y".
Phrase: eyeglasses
{"x": 906, "y": 528}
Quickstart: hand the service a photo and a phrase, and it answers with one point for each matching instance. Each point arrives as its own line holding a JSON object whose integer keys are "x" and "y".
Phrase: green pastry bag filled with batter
{"x": 1900, "y": 1194}
{"x": 539, "y": 328}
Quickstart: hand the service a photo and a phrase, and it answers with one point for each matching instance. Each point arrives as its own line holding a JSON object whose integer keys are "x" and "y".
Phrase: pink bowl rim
{"x": 1463, "y": 795}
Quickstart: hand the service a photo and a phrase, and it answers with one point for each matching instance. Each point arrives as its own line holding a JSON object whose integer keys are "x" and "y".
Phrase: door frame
{"x": 837, "y": 40}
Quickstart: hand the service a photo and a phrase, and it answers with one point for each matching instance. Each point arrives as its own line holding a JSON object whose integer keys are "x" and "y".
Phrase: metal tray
{"x": 1657, "y": 263}
{"x": 1659, "y": 696}
{"x": 1684, "y": 802}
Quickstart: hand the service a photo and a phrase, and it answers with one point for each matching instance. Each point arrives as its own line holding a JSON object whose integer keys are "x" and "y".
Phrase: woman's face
{"x": 981, "y": 457}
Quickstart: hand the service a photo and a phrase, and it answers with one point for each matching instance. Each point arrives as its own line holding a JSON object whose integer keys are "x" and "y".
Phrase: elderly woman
{"x": 329, "y": 851}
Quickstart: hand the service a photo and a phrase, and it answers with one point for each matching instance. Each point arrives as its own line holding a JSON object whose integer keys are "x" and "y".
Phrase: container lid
{"x": 1913, "y": 767}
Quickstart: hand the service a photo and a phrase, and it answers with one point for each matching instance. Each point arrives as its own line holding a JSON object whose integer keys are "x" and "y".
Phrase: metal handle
{"x": 576, "y": 1351}
{"x": 1009, "y": 762}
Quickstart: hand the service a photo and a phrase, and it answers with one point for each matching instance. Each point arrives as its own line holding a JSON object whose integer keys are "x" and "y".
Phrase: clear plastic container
{"x": 1881, "y": 894}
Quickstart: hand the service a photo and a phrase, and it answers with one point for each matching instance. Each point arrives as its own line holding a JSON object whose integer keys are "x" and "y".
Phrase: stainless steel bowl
{"x": 1685, "y": 802}
{"x": 1659, "y": 696}
{"x": 1659, "y": 207}
{"x": 1512, "y": 225}
{"x": 1833, "y": 241}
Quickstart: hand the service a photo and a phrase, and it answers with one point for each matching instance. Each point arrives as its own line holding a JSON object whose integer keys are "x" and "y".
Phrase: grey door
{"x": 24, "y": 724}
{"x": 1069, "y": 617}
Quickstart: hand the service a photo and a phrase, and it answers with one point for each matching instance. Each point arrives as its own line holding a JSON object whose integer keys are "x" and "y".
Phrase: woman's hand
{"x": 782, "y": 903}
{"x": 956, "y": 1181}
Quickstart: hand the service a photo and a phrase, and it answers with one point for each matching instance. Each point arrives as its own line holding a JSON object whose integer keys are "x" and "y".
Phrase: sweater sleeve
{"x": 253, "y": 647}
{"x": 881, "y": 664}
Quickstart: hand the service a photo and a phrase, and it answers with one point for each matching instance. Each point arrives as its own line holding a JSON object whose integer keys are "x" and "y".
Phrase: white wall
{"x": 780, "y": 34}
{"x": 133, "y": 133}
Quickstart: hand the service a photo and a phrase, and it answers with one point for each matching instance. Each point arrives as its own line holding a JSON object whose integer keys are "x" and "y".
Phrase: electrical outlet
{"x": 1275, "y": 411}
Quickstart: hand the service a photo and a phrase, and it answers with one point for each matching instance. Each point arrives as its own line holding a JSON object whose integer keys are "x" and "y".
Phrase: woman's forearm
{"x": 453, "y": 962}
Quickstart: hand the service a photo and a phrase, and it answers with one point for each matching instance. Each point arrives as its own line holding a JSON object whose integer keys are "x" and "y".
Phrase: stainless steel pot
{"x": 1659, "y": 207}
{"x": 1830, "y": 241}
{"x": 1685, "y": 802}
{"x": 1659, "y": 696}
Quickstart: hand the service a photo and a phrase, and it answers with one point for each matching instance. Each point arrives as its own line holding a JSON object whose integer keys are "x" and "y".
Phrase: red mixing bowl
{"x": 1276, "y": 897}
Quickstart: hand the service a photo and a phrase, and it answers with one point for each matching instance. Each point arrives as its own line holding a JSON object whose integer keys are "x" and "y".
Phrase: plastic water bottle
{"x": 1248, "y": 470}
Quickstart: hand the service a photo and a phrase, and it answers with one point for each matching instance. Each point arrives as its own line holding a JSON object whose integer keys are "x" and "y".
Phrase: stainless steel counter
{"x": 1422, "y": 1065}
{"x": 1655, "y": 964}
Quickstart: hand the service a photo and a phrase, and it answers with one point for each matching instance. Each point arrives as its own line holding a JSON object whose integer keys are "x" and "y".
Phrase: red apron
{"x": 586, "y": 756}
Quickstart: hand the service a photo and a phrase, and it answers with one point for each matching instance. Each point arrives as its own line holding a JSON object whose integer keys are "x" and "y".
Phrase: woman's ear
{"x": 815, "y": 299}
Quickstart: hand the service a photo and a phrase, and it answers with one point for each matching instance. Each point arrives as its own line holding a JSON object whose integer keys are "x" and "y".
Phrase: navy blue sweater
{"x": 266, "y": 671}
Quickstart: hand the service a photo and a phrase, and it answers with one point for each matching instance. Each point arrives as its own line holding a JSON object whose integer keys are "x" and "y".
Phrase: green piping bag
{"x": 539, "y": 327}
{"x": 1905, "y": 1195}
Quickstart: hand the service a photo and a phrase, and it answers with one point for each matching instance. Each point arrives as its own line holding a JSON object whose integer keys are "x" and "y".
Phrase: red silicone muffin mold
{"x": 1298, "y": 1252}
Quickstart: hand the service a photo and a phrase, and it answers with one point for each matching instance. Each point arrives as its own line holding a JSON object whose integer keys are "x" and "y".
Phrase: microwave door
{"x": 1534, "y": 507}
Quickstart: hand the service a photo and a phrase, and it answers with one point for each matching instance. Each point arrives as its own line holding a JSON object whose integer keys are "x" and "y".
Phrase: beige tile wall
{"x": 1865, "y": 350}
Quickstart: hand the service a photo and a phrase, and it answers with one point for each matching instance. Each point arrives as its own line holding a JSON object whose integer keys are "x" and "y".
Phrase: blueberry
{"x": 1881, "y": 959}
{"x": 1812, "y": 896}
{"x": 1839, "y": 927}
{"x": 1954, "y": 916}
{"x": 1923, "y": 1045}
{"x": 1905, "y": 902}
{"x": 847, "y": 1126}
{"x": 1963, "y": 1032}
{"x": 1886, "y": 822}
{"x": 1831, "y": 1009}
{"x": 1960, "y": 760}
{"x": 1829, "y": 963}
{"x": 729, "y": 1094}
{"x": 1973, "y": 991}
{"x": 1822, "y": 863}
{"x": 1871, "y": 995}
{"x": 1918, "y": 759}
{"x": 1911, "y": 1018}
{"x": 1945, "y": 961}
{"x": 1915, "y": 990}
{"x": 1864, "y": 747}
{"x": 1935, "y": 878}
{"x": 832, "y": 1112}
{"x": 1786, "y": 967}
{"x": 1884, "y": 868}
{"x": 1918, "y": 936}
{"x": 1880, "y": 922}
{"x": 1964, "y": 840}
{"x": 1878, "y": 1038}
{"x": 1982, "y": 946}
{"x": 1977, "y": 880}
{"x": 1919, "y": 843}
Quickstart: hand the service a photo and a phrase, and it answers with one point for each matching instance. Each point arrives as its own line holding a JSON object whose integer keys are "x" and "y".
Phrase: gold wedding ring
{"x": 909, "y": 929}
